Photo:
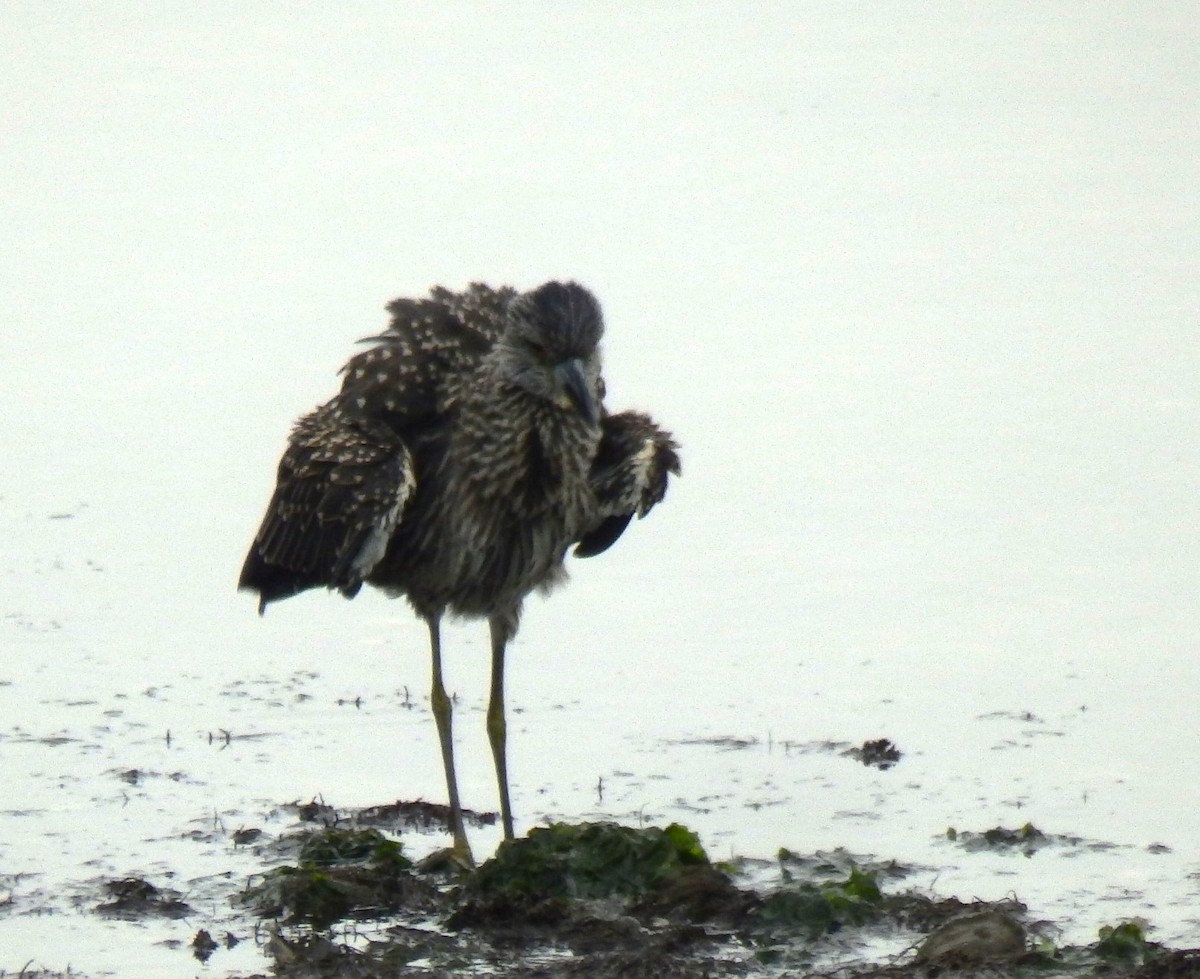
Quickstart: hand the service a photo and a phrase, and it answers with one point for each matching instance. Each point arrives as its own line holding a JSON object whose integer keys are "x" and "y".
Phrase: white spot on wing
{"x": 375, "y": 546}
{"x": 642, "y": 460}
{"x": 640, "y": 464}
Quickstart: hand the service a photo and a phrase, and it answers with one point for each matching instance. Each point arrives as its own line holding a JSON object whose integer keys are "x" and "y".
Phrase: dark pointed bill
{"x": 572, "y": 380}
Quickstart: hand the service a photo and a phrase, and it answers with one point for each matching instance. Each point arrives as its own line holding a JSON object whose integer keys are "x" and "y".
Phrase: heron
{"x": 468, "y": 450}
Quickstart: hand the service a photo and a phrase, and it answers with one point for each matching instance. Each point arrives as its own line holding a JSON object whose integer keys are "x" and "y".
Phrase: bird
{"x": 468, "y": 450}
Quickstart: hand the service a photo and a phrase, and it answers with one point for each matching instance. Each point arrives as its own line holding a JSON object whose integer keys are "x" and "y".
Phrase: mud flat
{"x": 337, "y": 895}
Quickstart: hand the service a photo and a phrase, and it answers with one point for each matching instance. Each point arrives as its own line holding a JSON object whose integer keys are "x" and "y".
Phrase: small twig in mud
{"x": 226, "y": 738}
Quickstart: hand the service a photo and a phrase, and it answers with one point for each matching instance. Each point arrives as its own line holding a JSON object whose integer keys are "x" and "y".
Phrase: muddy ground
{"x": 339, "y": 898}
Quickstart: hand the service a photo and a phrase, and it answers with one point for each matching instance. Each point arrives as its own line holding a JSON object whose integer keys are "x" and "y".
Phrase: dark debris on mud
{"x": 396, "y": 817}
{"x": 1026, "y": 840}
{"x": 133, "y": 897}
{"x": 612, "y": 902}
{"x": 880, "y": 753}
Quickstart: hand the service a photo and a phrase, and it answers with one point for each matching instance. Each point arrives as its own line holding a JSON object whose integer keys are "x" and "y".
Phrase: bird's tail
{"x": 270, "y": 581}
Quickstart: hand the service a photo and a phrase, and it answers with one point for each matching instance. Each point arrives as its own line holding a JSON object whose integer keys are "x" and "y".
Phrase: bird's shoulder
{"x": 430, "y": 343}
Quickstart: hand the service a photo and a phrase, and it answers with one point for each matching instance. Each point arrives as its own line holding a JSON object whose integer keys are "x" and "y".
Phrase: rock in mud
{"x": 984, "y": 938}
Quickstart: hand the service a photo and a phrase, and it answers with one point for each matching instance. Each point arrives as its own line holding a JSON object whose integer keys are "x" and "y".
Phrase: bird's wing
{"x": 402, "y": 377}
{"x": 629, "y": 476}
{"x": 348, "y": 471}
{"x": 343, "y": 483}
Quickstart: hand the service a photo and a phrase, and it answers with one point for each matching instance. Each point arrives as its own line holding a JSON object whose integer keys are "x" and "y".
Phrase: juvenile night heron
{"x": 468, "y": 449}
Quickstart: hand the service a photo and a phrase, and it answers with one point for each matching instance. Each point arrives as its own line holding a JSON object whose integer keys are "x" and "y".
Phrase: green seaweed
{"x": 337, "y": 847}
{"x": 340, "y": 873}
{"x": 818, "y": 908}
{"x": 587, "y": 860}
{"x": 1123, "y": 942}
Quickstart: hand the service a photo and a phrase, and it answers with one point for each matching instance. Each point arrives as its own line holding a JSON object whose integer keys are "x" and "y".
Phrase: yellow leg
{"x": 497, "y": 727}
{"x": 440, "y": 703}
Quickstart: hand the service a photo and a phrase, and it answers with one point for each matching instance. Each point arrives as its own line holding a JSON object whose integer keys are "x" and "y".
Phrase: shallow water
{"x": 915, "y": 290}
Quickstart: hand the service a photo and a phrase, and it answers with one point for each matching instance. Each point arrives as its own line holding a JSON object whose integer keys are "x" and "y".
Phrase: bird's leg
{"x": 440, "y": 703}
{"x": 502, "y": 627}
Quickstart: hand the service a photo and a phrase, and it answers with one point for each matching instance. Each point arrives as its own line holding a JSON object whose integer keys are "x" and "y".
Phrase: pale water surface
{"x": 914, "y": 284}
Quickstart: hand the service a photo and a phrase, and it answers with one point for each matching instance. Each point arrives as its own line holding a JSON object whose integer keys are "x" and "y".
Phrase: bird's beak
{"x": 574, "y": 393}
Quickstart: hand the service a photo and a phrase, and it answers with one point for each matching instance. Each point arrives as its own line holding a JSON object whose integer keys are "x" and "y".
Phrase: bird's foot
{"x": 455, "y": 859}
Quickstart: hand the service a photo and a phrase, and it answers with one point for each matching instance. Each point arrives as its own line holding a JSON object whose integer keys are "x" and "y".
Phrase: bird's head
{"x": 551, "y": 347}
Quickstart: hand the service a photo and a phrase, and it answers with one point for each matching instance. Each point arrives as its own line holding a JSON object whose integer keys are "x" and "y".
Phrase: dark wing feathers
{"x": 343, "y": 483}
{"x": 347, "y": 472}
{"x": 629, "y": 476}
{"x": 403, "y": 374}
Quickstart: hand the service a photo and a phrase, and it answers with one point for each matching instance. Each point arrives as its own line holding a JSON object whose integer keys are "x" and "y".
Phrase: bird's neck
{"x": 513, "y": 446}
